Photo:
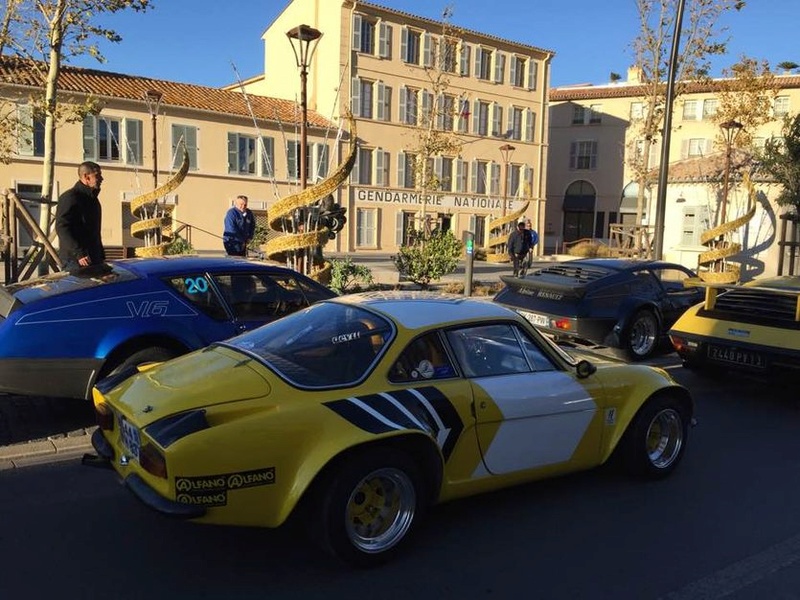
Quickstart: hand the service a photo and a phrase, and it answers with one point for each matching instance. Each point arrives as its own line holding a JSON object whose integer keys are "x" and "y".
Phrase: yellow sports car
{"x": 362, "y": 411}
{"x": 750, "y": 327}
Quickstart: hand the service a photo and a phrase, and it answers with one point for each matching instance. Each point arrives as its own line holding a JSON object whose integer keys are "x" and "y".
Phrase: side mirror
{"x": 584, "y": 368}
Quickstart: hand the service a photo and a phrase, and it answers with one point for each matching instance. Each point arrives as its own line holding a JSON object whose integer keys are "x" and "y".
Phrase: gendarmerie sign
{"x": 415, "y": 199}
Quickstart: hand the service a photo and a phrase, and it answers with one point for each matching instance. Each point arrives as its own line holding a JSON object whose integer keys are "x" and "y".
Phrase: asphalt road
{"x": 724, "y": 525}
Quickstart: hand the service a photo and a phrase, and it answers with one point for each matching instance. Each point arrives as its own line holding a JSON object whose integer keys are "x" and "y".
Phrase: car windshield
{"x": 326, "y": 345}
{"x": 64, "y": 282}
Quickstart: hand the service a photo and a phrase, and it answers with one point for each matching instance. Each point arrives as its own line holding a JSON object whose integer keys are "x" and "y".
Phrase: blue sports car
{"x": 61, "y": 333}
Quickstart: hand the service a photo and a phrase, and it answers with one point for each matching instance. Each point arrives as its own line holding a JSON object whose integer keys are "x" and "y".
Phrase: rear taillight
{"x": 681, "y": 344}
{"x": 152, "y": 460}
{"x": 104, "y": 416}
{"x": 562, "y": 324}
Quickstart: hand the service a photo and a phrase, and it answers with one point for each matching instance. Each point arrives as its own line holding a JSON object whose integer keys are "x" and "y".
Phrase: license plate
{"x": 130, "y": 437}
{"x": 536, "y": 319}
{"x": 736, "y": 356}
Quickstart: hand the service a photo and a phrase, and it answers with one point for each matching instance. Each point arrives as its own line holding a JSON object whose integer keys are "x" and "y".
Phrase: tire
{"x": 364, "y": 511}
{"x": 140, "y": 357}
{"x": 642, "y": 335}
{"x": 655, "y": 440}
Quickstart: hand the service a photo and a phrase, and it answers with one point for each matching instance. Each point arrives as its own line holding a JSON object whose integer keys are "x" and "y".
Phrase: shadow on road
{"x": 27, "y": 418}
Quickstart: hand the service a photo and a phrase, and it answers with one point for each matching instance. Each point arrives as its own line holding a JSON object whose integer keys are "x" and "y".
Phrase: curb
{"x": 50, "y": 450}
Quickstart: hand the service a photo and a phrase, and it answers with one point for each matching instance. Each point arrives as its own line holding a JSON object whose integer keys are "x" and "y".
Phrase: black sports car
{"x": 621, "y": 303}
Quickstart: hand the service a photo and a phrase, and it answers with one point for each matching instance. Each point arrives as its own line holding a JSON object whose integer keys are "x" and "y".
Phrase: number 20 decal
{"x": 196, "y": 285}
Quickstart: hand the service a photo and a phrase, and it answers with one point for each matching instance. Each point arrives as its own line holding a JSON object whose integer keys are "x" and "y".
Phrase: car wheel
{"x": 367, "y": 507}
{"x": 655, "y": 440}
{"x": 140, "y": 357}
{"x": 641, "y": 338}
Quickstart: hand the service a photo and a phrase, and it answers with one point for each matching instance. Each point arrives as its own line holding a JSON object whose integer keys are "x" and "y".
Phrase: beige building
{"x": 235, "y": 147}
{"x": 590, "y": 183}
{"x": 379, "y": 63}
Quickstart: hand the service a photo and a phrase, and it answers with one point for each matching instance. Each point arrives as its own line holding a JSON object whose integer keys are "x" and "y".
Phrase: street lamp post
{"x": 506, "y": 150}
{"x": 304, "y": 41}
{"x": 153, "y": 99}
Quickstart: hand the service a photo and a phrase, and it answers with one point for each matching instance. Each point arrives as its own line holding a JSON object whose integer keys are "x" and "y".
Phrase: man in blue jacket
{"x": 240, "y": 227}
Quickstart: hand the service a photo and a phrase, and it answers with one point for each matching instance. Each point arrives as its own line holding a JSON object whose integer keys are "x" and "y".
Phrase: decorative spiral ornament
{"x": 294, "y": 242}
{"x": 154, "y": 226}
{"x": 720, "y": 251}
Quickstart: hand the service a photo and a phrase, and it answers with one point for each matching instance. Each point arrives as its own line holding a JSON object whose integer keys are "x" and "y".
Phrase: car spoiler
{"x": 714, "y": 289}
{"x": 529, "y": 287}
{"x": 8, "y": 303}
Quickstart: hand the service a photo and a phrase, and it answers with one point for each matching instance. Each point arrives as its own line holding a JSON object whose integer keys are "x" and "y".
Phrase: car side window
{"x": 291, "y": 293}
{"x": 199, "y": 292}
{"x": 424, "y": 358}
{"x": 644, "y": 284}
{"x": 256, "y": 296}
{"x": 537, "y": 358}
{"x": 673, "y": 280}
{"x": 488, "y": 350}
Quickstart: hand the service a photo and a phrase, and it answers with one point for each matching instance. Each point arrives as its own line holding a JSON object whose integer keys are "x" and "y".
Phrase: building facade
{"x": 381, "y": 65}
{"x": 592, "y": 183}
{"x": 236, "y": 144}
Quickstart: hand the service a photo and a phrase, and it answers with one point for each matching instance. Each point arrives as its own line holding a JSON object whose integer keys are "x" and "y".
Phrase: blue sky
{"x": 195, "y": 41}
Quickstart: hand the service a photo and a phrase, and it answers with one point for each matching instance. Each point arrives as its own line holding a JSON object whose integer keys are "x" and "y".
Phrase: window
{"x": 513, "y": 180}
{"x": 446, "y": 108}
{"x": 463, "y": 115}
{"x": 407, "y": 170}
{"x": 497, "y": 120}
{"x": 424, "y": 358}
{"x": 366, "y": 218}
{"x": 462, "y": 174}
{"x": 409, "y": 105}
{"x": 446, "y": 54}
{"x": 241, "y": 154}
{"x": 103, "y": 139}
{"x": 501, "y": 349}
{"x": 30, "y": 132}
{"x": 381, "y": 167}
{"x": 518, "y": 68}
{"x": 637, "y": 110}
{"x": 480, "y": 120}
{"x": 480, "y": 175}
{"x": 781, "y": 106}
{"x": 446, "y": 174}
{"x": 384, "y": 40}
{"x": 267, "y": 156}
{"x": 696, "y": 147}
{"x": 499, "y": 67}
{"x": 515, "y": 122}
{"x": 578, "y": 114}
{"x": 133, "y": 141}
{"x": 463, "y": 59}
{"x": 184, "y": 136}
{"x": 197, "y": 290}
{"x": 695, "y": 222}
{"x": 483, "y": 64}
{"x": 595, "y": 111}
{"x": 530, "y": 124}
{"x": 316, "y": 160}
{"x": 710, "y": 107}
{"x": 410, "y": 46}
{"x": 583, "y": 155}
{"x": 254, "y": 296}
{"x": 365, "y": 40}
{"x": 690, "y": 109}
{"x": 364, "y": 166}
{"x": 366, "y": 99}
{"x": 384, "y": 106}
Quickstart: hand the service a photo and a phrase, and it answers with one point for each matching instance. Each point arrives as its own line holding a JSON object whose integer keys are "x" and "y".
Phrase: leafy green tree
{"x": 348, "y": 276}
{"x": 781, "y": 162}
{"x": 429, "y": 257}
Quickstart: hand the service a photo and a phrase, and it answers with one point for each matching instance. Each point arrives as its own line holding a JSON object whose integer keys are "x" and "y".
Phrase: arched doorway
{"x": 578, "y": 209}
{"x": 628, "y": 204}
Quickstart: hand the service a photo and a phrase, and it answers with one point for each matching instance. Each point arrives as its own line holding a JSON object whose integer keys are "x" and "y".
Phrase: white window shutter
{"x": 384, "y": 40}
{"x": 478, "y": 57}
{"x": 25, "y": 130}
{"x": 379, "y": 167}
{"x": 474, "y": 176}
{"x": 499, "y": 66}
{"x": 404, "y": 44}
{"x": 427, "y": 47}
{"x": 512, "y": 70}
{"x": 440, "y": 111}
{"x": 437, "y": 167}
{"x": 427, "y": 102}
{"x": 495, "y": 178}
{"x": 355, "y": 171}
{"x": 90, "y": 137}
{"x": 401, "y": 169}
{"x": 403, "y": 94}
{"x": 476, "y": 105}
{"x": 464, "y": 59}
{"x": 398, "y": 228}
{"x": 530, "y": 123}
{"x": 533, "y": 72}
{"x": 355, "y": 96}
{"x": 593, "y": 158}
{"x": 356, "y": 32}
{"x": 497, "y": 119}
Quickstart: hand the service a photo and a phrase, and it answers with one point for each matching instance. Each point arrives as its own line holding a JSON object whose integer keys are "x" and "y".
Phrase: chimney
{"x": 634, "y": 74}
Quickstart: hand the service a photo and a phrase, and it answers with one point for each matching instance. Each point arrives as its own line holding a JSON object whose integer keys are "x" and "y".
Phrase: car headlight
{"x": 170, "y": 429}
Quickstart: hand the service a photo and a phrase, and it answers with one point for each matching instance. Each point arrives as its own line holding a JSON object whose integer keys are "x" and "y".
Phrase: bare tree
{"x": 702, "y": 39}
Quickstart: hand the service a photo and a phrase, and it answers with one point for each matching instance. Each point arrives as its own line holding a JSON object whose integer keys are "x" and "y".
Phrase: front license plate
{"x": 130, "y": 437}
{"x": 536, "y": 319}
{"x": 736, "y": 356}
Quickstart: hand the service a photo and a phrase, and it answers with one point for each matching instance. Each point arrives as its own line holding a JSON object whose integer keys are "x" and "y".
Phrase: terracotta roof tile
{"x": 104, "y": 84}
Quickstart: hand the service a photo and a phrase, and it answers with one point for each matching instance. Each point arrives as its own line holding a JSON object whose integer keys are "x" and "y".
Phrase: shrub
{"x": 429, "y": 257}
{"x": 589, "y": 250}
{"x": 179, "y": 245}
{"x": 347, "y": 276}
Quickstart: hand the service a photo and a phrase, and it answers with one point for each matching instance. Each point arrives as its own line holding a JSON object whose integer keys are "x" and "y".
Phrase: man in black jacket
{"x": 78, "y": 220}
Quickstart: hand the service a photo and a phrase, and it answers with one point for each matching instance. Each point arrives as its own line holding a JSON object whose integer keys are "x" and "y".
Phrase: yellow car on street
{"x": 360, "y": 412}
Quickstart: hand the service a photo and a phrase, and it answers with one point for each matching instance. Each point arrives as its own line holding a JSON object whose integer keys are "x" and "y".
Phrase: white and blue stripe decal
{"x": 424, "y": 409}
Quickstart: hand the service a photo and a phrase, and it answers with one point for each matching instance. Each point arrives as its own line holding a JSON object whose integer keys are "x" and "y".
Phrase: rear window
{"x": 325, "y": 345}
{"x": 56, "y": 284}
